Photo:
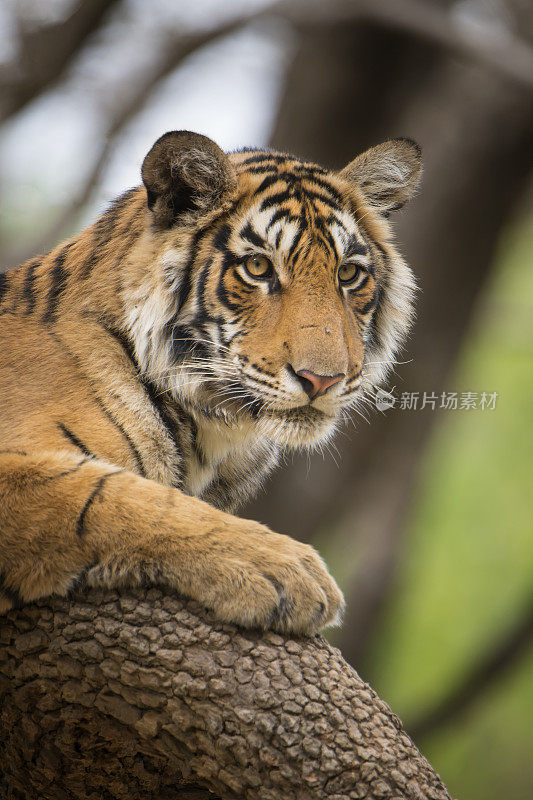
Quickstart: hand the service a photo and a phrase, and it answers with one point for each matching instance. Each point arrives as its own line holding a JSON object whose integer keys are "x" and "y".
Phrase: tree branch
{"x": 508, "y": 56}
{"x": 45, "y": 54}
{"x": 135, "y": 695}
{"x": 500, "y": 51}
{"x": 128, "y": 104}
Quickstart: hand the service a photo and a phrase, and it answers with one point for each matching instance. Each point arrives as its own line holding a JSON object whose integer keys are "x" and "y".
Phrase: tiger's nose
{"x": 317, "y": 385}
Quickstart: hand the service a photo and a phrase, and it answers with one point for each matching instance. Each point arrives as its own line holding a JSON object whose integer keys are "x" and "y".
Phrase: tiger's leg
{"x": 64, "y": 518}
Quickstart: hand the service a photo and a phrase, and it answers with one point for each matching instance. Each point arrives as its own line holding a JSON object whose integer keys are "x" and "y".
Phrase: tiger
{"x": 155, "y": 367}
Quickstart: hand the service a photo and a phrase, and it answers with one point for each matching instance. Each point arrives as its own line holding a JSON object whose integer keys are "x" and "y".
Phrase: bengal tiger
{"x": 154, "y": 368}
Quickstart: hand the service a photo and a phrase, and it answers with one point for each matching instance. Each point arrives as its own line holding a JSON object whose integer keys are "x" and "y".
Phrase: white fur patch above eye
{"x": 346, "y": 222}
{"x": 339, "y": 237}
{"x": 259, "y": 220}
{"x": 360, "y": 260}
{"x": 289, "y": 231}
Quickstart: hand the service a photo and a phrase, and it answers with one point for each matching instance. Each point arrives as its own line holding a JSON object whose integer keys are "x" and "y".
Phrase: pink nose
{"x": 316, "y": 385}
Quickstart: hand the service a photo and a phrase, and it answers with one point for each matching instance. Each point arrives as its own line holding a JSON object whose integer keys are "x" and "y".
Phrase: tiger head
{"x": 277, "y": 297}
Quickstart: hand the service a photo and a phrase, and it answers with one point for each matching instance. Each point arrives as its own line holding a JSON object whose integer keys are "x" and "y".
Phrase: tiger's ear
{"x": 387, "y": 174}
{"x": 183, "y": 172}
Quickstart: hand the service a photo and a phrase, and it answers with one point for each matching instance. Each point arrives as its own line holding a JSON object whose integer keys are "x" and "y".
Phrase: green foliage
{"x": 467, "y": 570}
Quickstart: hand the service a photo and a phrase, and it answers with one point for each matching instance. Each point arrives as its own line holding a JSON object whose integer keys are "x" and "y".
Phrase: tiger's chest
{"x": 225, "y": 464}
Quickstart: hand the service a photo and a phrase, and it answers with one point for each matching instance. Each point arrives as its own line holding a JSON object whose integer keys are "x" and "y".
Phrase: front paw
{"x": 241, "y": 570}
{"x": 259, "y": 579}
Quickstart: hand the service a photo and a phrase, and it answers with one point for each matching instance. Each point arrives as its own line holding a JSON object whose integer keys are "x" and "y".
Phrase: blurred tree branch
{"x": 127, "y": 106}
{"x": 495, "y": 48}
{"x": 426, "y": 21}
{"x": 44, "y": 54}
{"x": 497, "y": 662}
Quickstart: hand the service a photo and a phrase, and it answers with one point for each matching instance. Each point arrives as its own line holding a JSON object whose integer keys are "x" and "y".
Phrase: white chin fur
{"x": 297, "y": 432}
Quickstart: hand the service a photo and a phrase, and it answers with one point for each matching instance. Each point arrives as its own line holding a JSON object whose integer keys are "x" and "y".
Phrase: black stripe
{"x": 369, "y": 306}
{"x": 184, "y": 344}
{"x": 229, "y": 260}
{"x": 75, "y": 441}
{"x": 11, "y": 594}
{"x": 91, "y": 261}
{"x": 251, "y": 287}
{"x": 373, "y": 334}
{"x": 186, "y": 284}
{"x": 92, "y": 497}
{"x": 336, "y": 196}
{"x": 252, "y": 236}
{"x": 27, "y": 290}
{"x": 154, "y": 395}
{"x": 263, "y": 169}
{"x": 151, "y": 390}
{"x": 169, "y": 330}
{"x": 315, "y": 196}
{"x": 188, "y": 420}
{"x": 221, "y": 237}
{"x": 298, "y": 171}
{"x": 281, "y": 213}
{"x": 260, "y": 158}
{"x": 4, "y": 285}
{"x": 108, "y": 414}
{"x": 268, "y": 181}
{"x": 296, "y": 241}
{"x": 275, "y": 199}
{"x": 223, "y": 295}
{"x": 290, "y": 178}
{"x": 120, "y": 338}
{"x": 325, "y": 235}
{"x": 67, "y": 471}
{"x": 359, "y": 286}
{"x": 126, "y": 436}
{"x": 380, "y": 248}
{"x": 355, "y": 247}
{"x": 79, "y": 583}
{"x": 103, "y": 230}
{"x": 312, "y": 172}
{"x": 59, "y": 281}
{"x": 202, "y": 314}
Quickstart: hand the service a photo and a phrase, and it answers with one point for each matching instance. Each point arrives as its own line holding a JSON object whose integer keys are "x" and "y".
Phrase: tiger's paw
{"x": 243, "y": 572}
{"x": 259, "y": 579}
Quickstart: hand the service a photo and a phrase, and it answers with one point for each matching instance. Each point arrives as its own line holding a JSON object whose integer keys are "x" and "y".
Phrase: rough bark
{"x": 142, "y": 695}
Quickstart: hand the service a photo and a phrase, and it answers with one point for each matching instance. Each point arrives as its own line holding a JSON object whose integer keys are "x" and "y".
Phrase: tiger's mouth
{"x": 298, "y": 413}
{"x": 241, "y": 400}
{"x": 292, "y": 425}
{"x": 298, "y": 426}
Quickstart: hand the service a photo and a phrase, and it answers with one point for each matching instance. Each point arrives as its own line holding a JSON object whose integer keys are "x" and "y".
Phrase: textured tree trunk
{"x": 141, "y": 695}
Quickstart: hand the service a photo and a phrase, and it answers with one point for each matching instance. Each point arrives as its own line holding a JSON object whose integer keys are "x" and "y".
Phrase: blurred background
{"x": 425, "y": 514}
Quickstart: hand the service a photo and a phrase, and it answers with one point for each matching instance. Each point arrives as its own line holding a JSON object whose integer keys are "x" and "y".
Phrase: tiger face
{"x": 279, "y": 299}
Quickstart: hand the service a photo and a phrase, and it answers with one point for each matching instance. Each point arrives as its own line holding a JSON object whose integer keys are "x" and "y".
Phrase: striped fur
{"x": 149, "y": 381}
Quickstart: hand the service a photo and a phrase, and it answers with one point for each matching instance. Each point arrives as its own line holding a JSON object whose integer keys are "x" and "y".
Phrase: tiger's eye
{"x": 347, "y": 273}
{"x": 258, "y": 266}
